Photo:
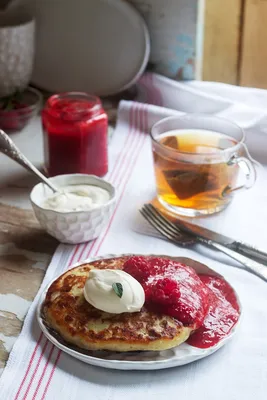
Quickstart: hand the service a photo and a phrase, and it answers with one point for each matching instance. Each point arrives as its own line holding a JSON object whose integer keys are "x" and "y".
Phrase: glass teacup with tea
{"x": 199, "y": 161}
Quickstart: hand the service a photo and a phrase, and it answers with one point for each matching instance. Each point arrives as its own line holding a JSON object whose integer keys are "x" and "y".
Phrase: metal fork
{"x": 170, "y": 231}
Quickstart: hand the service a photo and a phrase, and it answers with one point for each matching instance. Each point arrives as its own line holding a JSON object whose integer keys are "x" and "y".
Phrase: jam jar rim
{"x": 94, "y": 110}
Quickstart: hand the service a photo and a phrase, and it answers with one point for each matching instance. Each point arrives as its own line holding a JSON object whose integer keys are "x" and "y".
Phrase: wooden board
{"x": 25, "y": 252}
{"x": 254, "y": 45}
{"x": 222, "y": 40}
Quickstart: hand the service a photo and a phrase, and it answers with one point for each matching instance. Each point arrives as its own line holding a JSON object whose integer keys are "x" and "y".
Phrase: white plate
{"x": 97, "y": 46}
{"x": 180, "y": 355}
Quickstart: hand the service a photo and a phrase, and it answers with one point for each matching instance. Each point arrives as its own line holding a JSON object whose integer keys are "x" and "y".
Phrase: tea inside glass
{"x": 193, "y": 167}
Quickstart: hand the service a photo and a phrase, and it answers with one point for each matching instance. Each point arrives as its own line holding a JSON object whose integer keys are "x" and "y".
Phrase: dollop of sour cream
{"x": 77, "y": 198}
{"x": 99, "y": 291}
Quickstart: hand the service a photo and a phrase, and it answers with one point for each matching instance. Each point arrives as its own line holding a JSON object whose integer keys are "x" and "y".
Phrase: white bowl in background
{"x": 75, "y": 226}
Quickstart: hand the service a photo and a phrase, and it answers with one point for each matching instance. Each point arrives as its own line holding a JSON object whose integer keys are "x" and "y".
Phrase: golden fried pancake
{"x": 77, "y": 322}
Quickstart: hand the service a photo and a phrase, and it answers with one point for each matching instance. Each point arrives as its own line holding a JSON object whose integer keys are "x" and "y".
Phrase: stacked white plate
{"x": 97, "y": 46}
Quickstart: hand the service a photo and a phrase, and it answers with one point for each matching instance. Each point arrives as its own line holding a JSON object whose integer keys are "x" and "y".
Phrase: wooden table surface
{"x": 25, "y": 249}
{"x": 25, "y": 252}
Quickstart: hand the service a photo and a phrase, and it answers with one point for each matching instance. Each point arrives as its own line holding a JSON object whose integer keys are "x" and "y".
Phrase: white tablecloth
{"x": 37, "y": 370}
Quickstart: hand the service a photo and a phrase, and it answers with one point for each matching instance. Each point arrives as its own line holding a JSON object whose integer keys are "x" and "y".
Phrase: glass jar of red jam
{"x": 75, "y": 128}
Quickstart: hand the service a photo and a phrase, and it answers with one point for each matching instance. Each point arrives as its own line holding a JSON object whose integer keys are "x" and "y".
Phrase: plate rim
{"x": 129, "y": 364}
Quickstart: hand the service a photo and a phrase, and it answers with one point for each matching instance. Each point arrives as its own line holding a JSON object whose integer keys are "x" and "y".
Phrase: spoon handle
{"x": 8, "y": 147}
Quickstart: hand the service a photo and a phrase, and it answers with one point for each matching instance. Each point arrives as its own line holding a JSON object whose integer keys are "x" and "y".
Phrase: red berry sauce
{"x": 222, "y": 316}
{"x": 207, "y": 303}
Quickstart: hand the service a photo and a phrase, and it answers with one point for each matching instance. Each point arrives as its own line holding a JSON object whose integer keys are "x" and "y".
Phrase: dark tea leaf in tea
{"x": 171, "y": 141}
{"x": 186, "y": 184}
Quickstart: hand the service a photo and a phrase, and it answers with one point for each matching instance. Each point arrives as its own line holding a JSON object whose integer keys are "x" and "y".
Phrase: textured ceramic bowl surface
{"x": 17, "y": 42}
{"x": 77, "y": 226}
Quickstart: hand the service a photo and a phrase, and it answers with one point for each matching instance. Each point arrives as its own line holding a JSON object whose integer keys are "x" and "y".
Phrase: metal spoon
{"x": 8, "y": 147}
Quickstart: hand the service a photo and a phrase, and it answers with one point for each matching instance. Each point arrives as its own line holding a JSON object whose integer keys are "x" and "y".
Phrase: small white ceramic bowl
{"x": 76, "y": 226}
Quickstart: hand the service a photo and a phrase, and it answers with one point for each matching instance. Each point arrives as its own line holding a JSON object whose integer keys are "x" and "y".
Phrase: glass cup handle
{"x": 247, "y": 166}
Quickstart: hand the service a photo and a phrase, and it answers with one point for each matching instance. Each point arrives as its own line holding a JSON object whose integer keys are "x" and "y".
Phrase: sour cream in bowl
{"x": 77, "y": 198}
{"x": 79, "y": 212}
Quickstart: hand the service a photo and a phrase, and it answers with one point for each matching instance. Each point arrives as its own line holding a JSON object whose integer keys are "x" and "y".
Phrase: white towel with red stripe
{"x": 37, "y": 370}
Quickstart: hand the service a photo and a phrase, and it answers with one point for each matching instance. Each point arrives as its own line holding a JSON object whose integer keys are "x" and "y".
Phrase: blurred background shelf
{"x": 234, "y": 46}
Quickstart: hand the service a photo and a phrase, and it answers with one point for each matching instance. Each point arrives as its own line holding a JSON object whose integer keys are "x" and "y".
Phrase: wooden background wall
{"x": 235, "y": 42}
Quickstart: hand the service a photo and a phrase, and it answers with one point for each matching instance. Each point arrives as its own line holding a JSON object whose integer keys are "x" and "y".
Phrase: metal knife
{"x": 205, "y": 233}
